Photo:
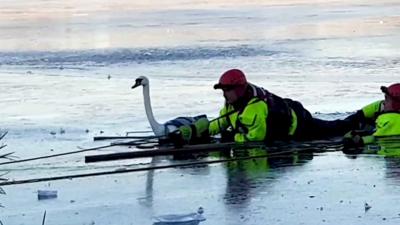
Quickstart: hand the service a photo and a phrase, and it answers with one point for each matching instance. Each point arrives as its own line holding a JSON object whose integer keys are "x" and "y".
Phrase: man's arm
{"x": 254, "y": 118}
{"x": 364, "y": 116}
{"x": 220, "y": 123}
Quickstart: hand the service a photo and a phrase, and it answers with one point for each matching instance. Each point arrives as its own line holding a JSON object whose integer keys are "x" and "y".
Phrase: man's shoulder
{"x": 256, "y": 100}
{"x": 256, "y": 103}
{"x": 373, "y": 109}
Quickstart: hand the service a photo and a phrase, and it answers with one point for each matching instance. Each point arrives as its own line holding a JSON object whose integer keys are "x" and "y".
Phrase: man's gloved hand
{"x": 352, "y": 143}
{"x": 190, "y": 133}
{"x": 181, "y": 136}
{"x": 195, "y": 130}
{"x": 356, "y": 137}
{"x": 186, "y": 133}
{"x": 227, "y": 135}
{"x": 357, "y": 140}
{"x": 201, "y": 127}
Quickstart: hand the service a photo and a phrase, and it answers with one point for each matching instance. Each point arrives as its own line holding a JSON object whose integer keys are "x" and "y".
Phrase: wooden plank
{"x": 169, "y": 151}
{"x": 101, "y": 138}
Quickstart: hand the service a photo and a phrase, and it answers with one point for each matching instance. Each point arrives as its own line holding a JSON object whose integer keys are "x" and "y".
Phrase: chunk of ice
{"x": 180, "y": 219}
{"x": 46, "y": 194}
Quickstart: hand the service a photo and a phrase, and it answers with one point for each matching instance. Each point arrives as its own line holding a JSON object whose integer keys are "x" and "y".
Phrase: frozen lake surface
{"x": 66, "y": 71}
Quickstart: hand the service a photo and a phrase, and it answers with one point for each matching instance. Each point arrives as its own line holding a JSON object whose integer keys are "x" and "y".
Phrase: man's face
{"x": 230, "y": 95}
{"x": 389, "y": 104}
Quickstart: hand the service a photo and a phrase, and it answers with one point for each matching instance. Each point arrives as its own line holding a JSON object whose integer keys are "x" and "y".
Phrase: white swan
{"x": 160, "y": 129}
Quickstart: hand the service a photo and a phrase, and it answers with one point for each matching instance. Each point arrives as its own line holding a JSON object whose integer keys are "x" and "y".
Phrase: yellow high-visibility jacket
{"x": 250, "y": 124}
{"x": 386, "y": 123}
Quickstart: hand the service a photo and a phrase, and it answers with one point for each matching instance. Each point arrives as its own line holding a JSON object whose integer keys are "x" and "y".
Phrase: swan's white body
{"x": 158, "y": 129}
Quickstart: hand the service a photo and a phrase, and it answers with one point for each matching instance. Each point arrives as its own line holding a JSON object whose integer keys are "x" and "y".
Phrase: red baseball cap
{"x": 392, "y": 91}
{"x": 231, "y": 78}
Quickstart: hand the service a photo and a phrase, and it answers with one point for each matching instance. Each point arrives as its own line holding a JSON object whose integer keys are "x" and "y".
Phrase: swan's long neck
{"x": 158, "y": 129}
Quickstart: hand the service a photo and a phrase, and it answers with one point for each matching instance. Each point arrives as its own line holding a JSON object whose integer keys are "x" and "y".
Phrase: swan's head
{"x": 141, "y": 81}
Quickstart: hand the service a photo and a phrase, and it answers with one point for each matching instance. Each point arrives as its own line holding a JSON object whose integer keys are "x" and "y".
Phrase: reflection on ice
{"x": 246, "y": 178}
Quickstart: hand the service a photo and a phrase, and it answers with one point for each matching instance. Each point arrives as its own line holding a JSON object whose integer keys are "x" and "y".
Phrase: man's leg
{"x": 309, "y": 127}
{"x": 304, "y": 128}
{"x": 330, "y": 128}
